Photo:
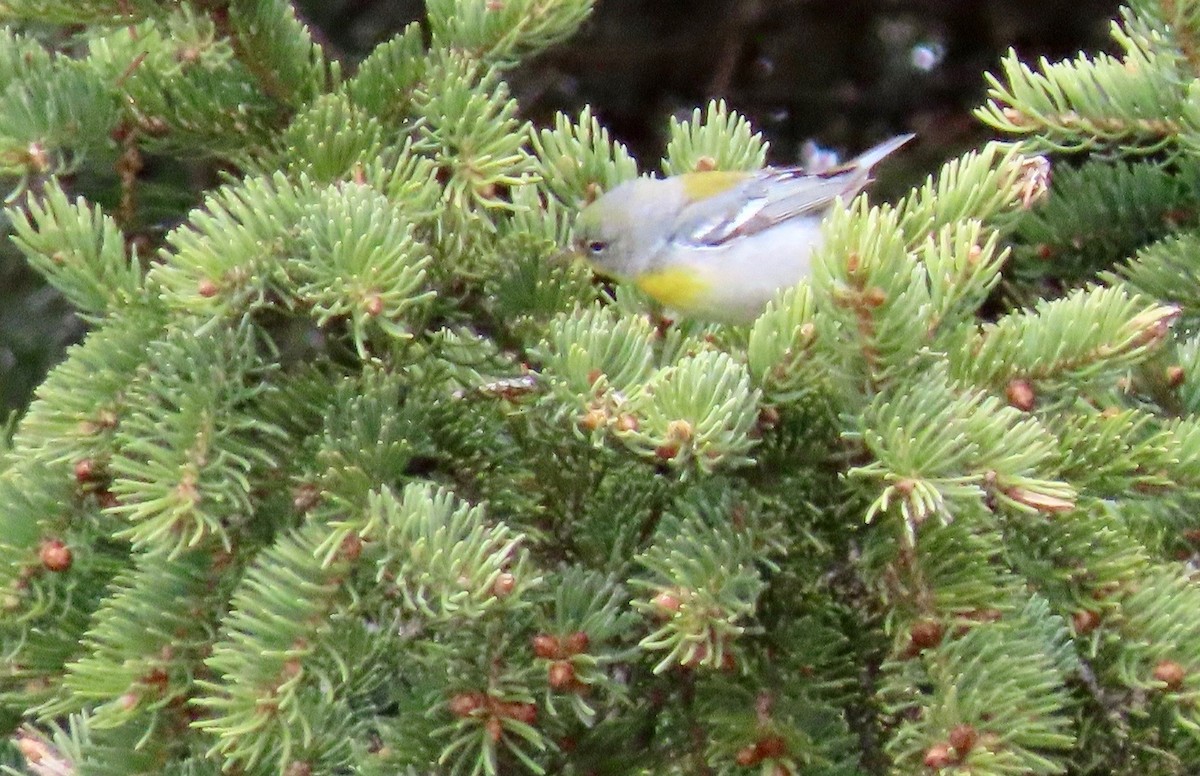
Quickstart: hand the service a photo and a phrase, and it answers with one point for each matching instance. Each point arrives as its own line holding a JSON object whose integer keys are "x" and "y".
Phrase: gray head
{"x": 620, "y": 232}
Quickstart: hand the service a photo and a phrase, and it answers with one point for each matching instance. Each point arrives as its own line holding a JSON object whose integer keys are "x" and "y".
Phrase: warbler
{"x": 718, "y": 245}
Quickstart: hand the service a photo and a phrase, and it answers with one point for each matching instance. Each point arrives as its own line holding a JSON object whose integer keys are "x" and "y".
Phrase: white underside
{"x": 746, "y": 273}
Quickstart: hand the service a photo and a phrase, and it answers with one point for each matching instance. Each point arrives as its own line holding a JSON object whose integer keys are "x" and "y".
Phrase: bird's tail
{"x": 872, "y": 156}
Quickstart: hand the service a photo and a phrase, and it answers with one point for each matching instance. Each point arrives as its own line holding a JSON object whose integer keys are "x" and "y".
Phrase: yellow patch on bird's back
{"x": 698, "y": 185}
{"x": 677, "y": 287}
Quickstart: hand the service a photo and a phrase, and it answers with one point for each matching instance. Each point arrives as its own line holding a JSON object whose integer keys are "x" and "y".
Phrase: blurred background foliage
{"x": 839, "y": 73}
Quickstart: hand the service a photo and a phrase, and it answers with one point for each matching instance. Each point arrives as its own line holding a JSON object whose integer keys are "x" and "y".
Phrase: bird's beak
{"x": 566, "y": 255}
{"x": 572, "y": 252}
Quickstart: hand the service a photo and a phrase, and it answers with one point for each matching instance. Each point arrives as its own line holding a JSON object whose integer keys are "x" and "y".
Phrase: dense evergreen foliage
{"x": 355, "y": 472}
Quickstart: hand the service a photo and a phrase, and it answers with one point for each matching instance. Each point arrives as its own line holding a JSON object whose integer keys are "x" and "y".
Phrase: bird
{"x": 718, "y": 245}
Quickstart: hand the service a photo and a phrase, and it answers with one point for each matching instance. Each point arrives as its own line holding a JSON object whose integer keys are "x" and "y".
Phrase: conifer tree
{"x": 354, "y": 473}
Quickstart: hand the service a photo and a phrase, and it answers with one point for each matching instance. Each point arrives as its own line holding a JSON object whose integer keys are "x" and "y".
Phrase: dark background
{"x": 842, "y": 74}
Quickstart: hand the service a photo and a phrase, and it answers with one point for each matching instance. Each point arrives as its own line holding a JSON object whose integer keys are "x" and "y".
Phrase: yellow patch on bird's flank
{"x": 677, "y": 288}
{"x": 698, "y": 185}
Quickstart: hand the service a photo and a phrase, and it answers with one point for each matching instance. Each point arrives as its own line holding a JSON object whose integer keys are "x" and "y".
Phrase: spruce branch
{"x": 715, "y": 139}
{"x": 330, "y": 139}
{"x": 80, "y": 250}
{"x": 594, "y": 352}
{"x": 384, "y": 81}
{"x": 1139, "y": 100}
{"x": 780, "y": 352}
{"x": 700, "y": 587}
{"x": 101, "y": 12}
{"x": 945, "y": 444}
{"x": 873, "y": 299}
{"x": 1099, "y": 214}
{"x": 1165, "y": 270}
{"x": 987, "y": 185}
{"x": 972, "y": 719}
{"x": 504, "y": 31}
{"x": 288, "y": 65}
{"x": 698, "y": 413}
{"x": 82, "y": 401}
{"x": 54, "y": 117}
{"x": 181, "y": 470}
{"x": 577, "y": 160}
{"x": 217, "y": 263}
{"x": 470, "y": 123}
{"x": 1079, "y": 337}
{"x": 183, "y": 85}
{"x": 363, "y": 263}
{"x": 145, "y": 650}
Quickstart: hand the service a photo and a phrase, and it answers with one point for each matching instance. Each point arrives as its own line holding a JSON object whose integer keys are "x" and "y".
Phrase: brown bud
{"x": 926, "y": 633}
{"x": 575, "y": 643}
{"x": 768, "y": 417}
{"x": 55, "y": 555}
{"x": 938, "y": 757}
{"x": 963, "y": 738}
{"x": 592, "y": 193}
{"x": 298, "y": 768}
{"x": 464, "y": 704}
{"x": 1085, "y": 621}
{"x": 85, "y": 470}
{"x": 1033, "y": 185}
{"x": 504, "y": 585}
{"x": 154, "y": 126}
{"x": 522, "y": 712}
{"x": 351, "y": 548}
{"x": 1175, "y": 375}
{"x": 207, "y": 288}
{"x": 679, "y": 431}
{"x": 667, "y": 603}
{"x": 627, "y": 423}
{"x": 706, "y": 164}
{"x": 593, "y": 376}
{"x": 874, "y": 296}
{"x": 1020, "y": 394}
{"x": 748, "y": 756}
{"x": 666, "y": 452}
{"x": 373, "y": 304}
{"x": 593, "y": 419}
{"x": 494, "y": 728}
{"x": 36, "y": 157}
{"x": 305, "y": 496}
{"x": 771, "y": 747}
{"x": 561, "y": 674}
{"x": 1154, "y": 324}
{"x": 1044, "y": 252}
{"x": 547, "y": 646}
{"x": 1170, "y": 673}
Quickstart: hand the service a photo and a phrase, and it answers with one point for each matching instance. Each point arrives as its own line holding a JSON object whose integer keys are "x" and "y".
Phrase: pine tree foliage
{"x": 357, "y": 471}
{"x": 97, "y": 276}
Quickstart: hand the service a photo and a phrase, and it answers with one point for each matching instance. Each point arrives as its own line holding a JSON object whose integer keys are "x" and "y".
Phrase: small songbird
{"x": 718, "y": 245}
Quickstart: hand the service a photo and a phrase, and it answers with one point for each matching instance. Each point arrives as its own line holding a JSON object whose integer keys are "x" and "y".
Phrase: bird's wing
{"x": 766, "y": 198}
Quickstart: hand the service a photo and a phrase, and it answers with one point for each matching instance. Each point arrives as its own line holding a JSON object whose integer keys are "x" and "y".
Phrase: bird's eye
{"x": 596, "y": 246}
